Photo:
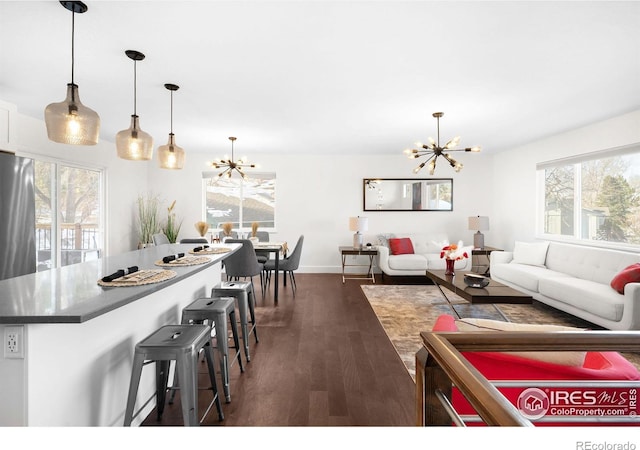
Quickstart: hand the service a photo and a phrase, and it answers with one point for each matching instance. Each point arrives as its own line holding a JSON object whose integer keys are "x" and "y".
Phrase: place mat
{"x": 184, "y": 261}
{"x": 140, "y": 278}
{"x": 284, "y": 248}
{"x": 211, "y": 251}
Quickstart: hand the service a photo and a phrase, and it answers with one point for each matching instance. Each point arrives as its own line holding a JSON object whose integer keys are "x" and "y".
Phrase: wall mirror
{"x": 407, "y": 194}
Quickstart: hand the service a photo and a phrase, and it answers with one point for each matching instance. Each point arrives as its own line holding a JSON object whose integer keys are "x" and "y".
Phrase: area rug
{"x": 406, "y": 310}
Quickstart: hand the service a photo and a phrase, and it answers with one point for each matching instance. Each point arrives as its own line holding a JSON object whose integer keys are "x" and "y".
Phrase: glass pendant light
{"x": 133, "y": 143}
{"x": 70, "y": 122}
{"x": 171, "y": 156}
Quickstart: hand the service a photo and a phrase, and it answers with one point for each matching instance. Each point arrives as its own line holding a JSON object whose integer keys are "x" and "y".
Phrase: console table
{"x": 371, "y": 252}
{"x": 485, "y": 252}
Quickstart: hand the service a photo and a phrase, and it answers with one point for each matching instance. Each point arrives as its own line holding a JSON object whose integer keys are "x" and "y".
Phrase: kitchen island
{"x": 77, "y": 338}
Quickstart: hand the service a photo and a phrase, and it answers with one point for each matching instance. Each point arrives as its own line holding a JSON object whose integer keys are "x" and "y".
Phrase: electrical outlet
{"x": 14, "y": 342}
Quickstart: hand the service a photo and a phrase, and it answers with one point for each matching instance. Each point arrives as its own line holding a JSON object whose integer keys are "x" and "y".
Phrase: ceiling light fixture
{"x": 433, "y": 150}
{"x": 230, "y": 165}
{"x": 70, "y": 122}
{"x": 133, "y": 143}
{"x": 171, "y": 156}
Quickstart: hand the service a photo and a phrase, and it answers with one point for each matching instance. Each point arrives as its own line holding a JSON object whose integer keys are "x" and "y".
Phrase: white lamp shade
{"x": 70, "y": 122}
{"x": 358, "y": 223}
{"x": 171, "y": 156}
{"x": 133, "y": 143}
{"x": 479, "y": 223}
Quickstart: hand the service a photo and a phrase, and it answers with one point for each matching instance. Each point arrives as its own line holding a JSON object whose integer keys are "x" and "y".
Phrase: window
{"x": 239, "y": 201}
{"x": 593, "y": 198}
{"x": 69, "y": 214}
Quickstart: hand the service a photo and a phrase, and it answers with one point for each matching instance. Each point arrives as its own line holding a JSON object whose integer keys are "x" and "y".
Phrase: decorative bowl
{"x": 476, "y": 281}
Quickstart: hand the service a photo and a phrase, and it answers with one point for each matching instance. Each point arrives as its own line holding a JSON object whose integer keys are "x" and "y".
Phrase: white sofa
{"x": 426, "y": 246}
{"x": 575, "y": 279}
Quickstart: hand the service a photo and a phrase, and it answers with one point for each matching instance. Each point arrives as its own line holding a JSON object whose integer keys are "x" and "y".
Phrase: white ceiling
{"x": 320, "y": 77}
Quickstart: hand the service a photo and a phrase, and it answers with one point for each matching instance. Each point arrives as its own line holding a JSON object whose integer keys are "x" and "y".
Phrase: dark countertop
{"x": 71, "y": 294}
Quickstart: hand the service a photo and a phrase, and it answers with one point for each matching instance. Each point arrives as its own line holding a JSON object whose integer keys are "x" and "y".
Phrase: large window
{"x": 69, "y": 214}
{"x": 594, "y": 197}
{"x": 239, "y": 201}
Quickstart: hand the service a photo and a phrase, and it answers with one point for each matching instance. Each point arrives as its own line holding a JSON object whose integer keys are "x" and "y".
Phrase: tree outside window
{"x": 606, "y": 193}
{"x": 68, "y": 214}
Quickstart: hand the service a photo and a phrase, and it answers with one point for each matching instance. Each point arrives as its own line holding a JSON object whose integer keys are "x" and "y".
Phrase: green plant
{"x": 147, "y": 218}
{"x": 171, "y": 227}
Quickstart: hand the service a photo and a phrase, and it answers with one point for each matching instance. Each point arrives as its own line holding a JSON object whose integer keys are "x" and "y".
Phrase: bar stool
{"x": 182, "y": 344}
{"x": 242, "y": 291}
{"x": 218, "y": 310}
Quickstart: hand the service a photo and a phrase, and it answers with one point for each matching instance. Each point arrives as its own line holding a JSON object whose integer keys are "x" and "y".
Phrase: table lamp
{"x": 358, "y": 224}
{"x": 479, "y": 223}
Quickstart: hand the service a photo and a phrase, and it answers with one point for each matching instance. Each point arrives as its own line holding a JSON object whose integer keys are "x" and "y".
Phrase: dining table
{"x": 277, "y": 248}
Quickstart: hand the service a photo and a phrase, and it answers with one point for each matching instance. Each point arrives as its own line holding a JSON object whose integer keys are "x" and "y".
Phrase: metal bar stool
{"x": 242, "y": 291}
{"x": 218, "y": 310}
{"x": 182, "y": 344}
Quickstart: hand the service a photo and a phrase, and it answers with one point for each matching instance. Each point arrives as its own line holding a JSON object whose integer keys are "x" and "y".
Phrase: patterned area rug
{"x": 406, "y": 310}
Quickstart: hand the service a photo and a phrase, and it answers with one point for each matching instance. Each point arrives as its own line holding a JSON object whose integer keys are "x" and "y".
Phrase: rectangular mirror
{"x": 407, "y": 194}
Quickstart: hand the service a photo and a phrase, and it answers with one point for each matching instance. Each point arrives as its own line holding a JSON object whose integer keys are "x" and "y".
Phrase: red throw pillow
{"x": 401, "y": 246}
{"x": 630, "y": 274}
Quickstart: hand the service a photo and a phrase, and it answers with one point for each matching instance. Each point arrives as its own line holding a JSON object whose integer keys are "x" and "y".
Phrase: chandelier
{"x": 229, "y": 165}
{"x": 433, "y": 150}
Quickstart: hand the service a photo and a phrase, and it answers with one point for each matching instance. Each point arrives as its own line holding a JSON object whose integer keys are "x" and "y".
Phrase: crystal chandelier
{"x": 69, "y": 121}
{"x": 133, "y": 143}
{"x": 229, "y": 164}
{"x": 433, "y": 150}
{"x": 171, "y": 156}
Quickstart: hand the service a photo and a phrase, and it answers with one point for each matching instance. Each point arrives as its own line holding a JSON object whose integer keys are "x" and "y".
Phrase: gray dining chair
{"x": 243, "y": 263}
{"x": 200, "y": 240}
{"x": 160, "y": 238}
{"x": 287, "y": 265}
{"x": 263, "y": 256}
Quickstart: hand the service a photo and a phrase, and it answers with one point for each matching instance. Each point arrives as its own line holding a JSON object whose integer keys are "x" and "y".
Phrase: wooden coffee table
{"x": 494, "y": 292}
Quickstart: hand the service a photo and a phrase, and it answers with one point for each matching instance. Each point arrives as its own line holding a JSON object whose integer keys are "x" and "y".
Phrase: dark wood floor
{"x": 323, "y": 360}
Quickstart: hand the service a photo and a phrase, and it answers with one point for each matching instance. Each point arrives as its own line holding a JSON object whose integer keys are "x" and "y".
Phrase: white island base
{"x": 77, "y": 374}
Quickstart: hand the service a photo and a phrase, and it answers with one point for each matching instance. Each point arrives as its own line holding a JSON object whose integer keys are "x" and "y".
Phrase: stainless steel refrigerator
{"x": 17, "y": 216}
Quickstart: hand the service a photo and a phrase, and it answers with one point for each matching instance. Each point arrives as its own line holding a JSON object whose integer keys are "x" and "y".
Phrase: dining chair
{"x": 160, "y": 238}
{"x": 263, "y": 256}
{"x": 243, "y": 263}
{"x": 288, "y": 264}
{"x": 200, "y": 240}
{"x": 234, "y": 235}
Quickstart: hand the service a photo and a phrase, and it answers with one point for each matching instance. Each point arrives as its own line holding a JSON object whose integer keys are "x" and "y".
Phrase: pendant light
{"x": 70, "y": 122}
{"x": 171, "y": 156}
{"x": 133, "y": 143}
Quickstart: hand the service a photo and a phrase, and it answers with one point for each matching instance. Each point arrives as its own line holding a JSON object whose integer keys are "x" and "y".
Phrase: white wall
{"x": 514, "y": 172}
{"x": 317, "y": 194}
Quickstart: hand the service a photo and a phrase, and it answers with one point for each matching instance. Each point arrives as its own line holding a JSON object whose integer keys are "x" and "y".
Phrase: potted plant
{"x": 202, "y": 228}
{"x": 171, "y": 227}
{"x": 148, "y": 224}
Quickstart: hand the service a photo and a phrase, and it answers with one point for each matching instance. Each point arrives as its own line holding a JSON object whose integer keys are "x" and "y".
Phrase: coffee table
{"x": 493, "y": 293}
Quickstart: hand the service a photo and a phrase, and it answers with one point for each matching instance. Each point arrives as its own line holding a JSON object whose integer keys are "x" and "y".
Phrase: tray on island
{"x": 141, "y": 277}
